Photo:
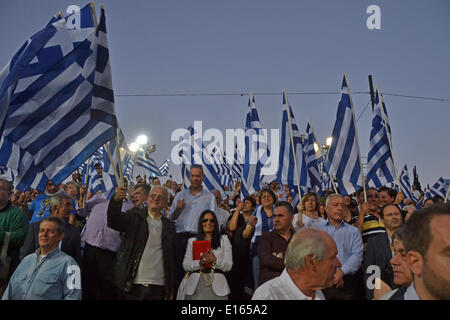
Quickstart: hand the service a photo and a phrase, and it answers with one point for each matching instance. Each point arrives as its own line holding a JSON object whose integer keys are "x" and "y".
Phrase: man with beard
{"x": 427, "y": 242}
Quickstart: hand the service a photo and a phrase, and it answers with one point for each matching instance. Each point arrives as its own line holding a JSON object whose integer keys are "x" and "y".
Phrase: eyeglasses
{"x": 205, "y": 220}
{"x": 156, "y": 197}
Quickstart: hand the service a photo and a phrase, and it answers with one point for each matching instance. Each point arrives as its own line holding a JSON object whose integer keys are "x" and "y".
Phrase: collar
{"x": 411, "y": 293}
{"x": 50, "y": 254}
{"x": 327, "y": 222}
{"x": 295, "y": 292}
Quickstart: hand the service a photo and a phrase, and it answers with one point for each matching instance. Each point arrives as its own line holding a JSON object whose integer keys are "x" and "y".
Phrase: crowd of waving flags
{"x": 57, "y": 116}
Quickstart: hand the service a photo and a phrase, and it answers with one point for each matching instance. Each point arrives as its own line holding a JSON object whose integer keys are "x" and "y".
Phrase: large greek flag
{"x": 56, "y": 102}
{"x": 380, "y": 165}
{"x": 292, "y": 168}
{"x": 343, "y": 160}
{"x": 313, "y": 158}
{"x": 405, "y": 184}
{"x": 438, "y": 189}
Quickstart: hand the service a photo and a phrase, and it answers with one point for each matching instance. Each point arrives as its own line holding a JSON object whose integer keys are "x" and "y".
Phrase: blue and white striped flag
{"x": 343, "y": 159}
{"x": 405, "y": 184}
{"x": 380, "y": 165}
{"x": 164, "y": 167}
{"x": 41, "y": 139}
{"x": 193, "y": 152}
{"x": 94, "y": 183}
{"x": 313, "y": 159}
{"x": 111, "y": 168}
{"x": 254, "y": 142}
{"x": 144, "y": 160}
{"x": 427, "y": 195}
{"x": 291, "y": 147}
{"x": 438, "y": 189}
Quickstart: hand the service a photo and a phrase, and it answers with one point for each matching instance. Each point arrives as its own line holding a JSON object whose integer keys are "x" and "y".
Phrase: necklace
{"x": 208, "y": 278}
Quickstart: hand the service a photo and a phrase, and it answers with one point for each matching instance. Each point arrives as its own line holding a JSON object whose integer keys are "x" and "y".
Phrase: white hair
{"x": 307, "y": 241}
{"x": 331, "y": 196}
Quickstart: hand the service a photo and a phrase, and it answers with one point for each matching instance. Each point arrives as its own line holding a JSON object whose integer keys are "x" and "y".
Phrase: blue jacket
{"x": 56, "y": 277}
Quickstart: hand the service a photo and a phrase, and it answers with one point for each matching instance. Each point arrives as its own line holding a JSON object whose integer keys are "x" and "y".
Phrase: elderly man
{"x": 426, "y": 238}
{"x": 347, "y": 285}
{"x": 49, "y": 273}
{"x": 311, "y": 262}
{"x": 185, "y": 211}
{"x": 13, "y": 227}
{"x": 60, "y": 206}
{"x": 145, "y": 264}
{"x": 273, "y": 244}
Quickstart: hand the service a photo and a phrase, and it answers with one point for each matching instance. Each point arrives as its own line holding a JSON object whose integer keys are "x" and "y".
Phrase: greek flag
{"x": 405, "y": 185}
{"x": 56, "y": 103}
{"x": 193, "y": 151}
{"x": 94, "y": 183}
{"x": 237, "y": 166}
{"x": 253, "y": 144}
{"x": 164, "y": 167}
{"x": 313, "y": 159}
{"x": 380, "y": 166}
{"x": 144, "y": 160}
{"x": 290, "y": 147}
{"x": 438, "y": 189}
{"x": 427, "y": 195}
{"x": 111, "y": 168}
{"x": 343, "y": 160}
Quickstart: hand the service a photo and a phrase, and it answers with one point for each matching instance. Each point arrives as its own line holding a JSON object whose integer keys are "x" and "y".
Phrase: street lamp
{"x": 142, "y": 139}
{"x": 329, "y": 141}
{"x": 134, "y": 147}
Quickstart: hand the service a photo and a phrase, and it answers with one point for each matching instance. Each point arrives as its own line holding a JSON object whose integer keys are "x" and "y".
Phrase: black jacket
{"x": 70, "y": 244}
{"x": 134, "y": 227}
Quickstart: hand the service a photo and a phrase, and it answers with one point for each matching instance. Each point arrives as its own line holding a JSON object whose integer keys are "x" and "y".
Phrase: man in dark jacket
{"x": 60, "y": 206}
{"x": 144, "y": 268}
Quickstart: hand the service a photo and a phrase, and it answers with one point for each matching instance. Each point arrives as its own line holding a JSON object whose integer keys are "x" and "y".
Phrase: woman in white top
{"x": 206, "y": 280}
{"x": 308, "y": 215}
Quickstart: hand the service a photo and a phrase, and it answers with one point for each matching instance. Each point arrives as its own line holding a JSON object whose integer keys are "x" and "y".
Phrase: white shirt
{"x": 307, "y": 221}
{"x": 188, "y": 219}
{"x": 283, "y": 288}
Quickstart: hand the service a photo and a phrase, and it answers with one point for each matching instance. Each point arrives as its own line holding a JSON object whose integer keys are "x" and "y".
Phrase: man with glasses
{"x": 144, "y": 268}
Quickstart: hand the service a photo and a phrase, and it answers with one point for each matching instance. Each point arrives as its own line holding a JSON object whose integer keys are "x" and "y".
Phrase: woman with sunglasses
{"x": 205, "y": 279}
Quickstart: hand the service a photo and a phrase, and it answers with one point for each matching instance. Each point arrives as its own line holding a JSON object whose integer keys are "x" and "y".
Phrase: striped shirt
{"x": 371, "y": 227}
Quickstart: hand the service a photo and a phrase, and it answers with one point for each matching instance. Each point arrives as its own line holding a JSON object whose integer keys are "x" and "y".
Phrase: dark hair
{"x": 269, "y": 191}
{"x": 315, "y": 196}
{"x": 60, "y": 225}
{"x": 8, "y": 183}
{"x": 215, "y": 241}
{"x": 381, "y": 212}
{"x": 361, "y": 191}
{"x": 144, "y": 187}
{"x": 391, "y": 192}
{"x": 198, "y": 166}
{"x": 285, "y": 204}
{"x": 252, "y": 200}
{"x": 417, "y": 232}
{"x": 398, "y": 235}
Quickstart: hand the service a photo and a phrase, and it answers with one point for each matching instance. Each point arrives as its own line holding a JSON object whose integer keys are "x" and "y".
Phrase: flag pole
{"x": 356, "y": 138}
{"x": 83, "y": 200}
{"x": 383, "y": 115}
{"x": 446, "y": 196}
{"x": 94, "y": 14}
{"x": 334, "y": 185}
{"x": 292, "y": 142}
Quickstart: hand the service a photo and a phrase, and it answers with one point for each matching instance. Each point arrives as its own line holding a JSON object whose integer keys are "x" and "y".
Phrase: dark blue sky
{"x": 209, "y": 46}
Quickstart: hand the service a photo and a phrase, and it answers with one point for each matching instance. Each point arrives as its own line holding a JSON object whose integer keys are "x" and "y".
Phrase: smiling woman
{"x": 205, "y": 279}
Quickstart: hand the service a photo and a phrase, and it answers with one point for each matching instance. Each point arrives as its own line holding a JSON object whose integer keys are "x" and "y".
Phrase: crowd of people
{"x": 145, "y": 243}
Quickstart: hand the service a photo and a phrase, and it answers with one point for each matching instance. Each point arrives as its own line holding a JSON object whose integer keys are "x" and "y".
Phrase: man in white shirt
{"x": 311, "y": 263}
{"x": 185, "y": 212}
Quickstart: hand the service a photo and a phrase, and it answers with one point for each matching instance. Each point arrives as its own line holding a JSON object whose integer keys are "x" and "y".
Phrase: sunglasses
{"x": 205, "y": 220}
